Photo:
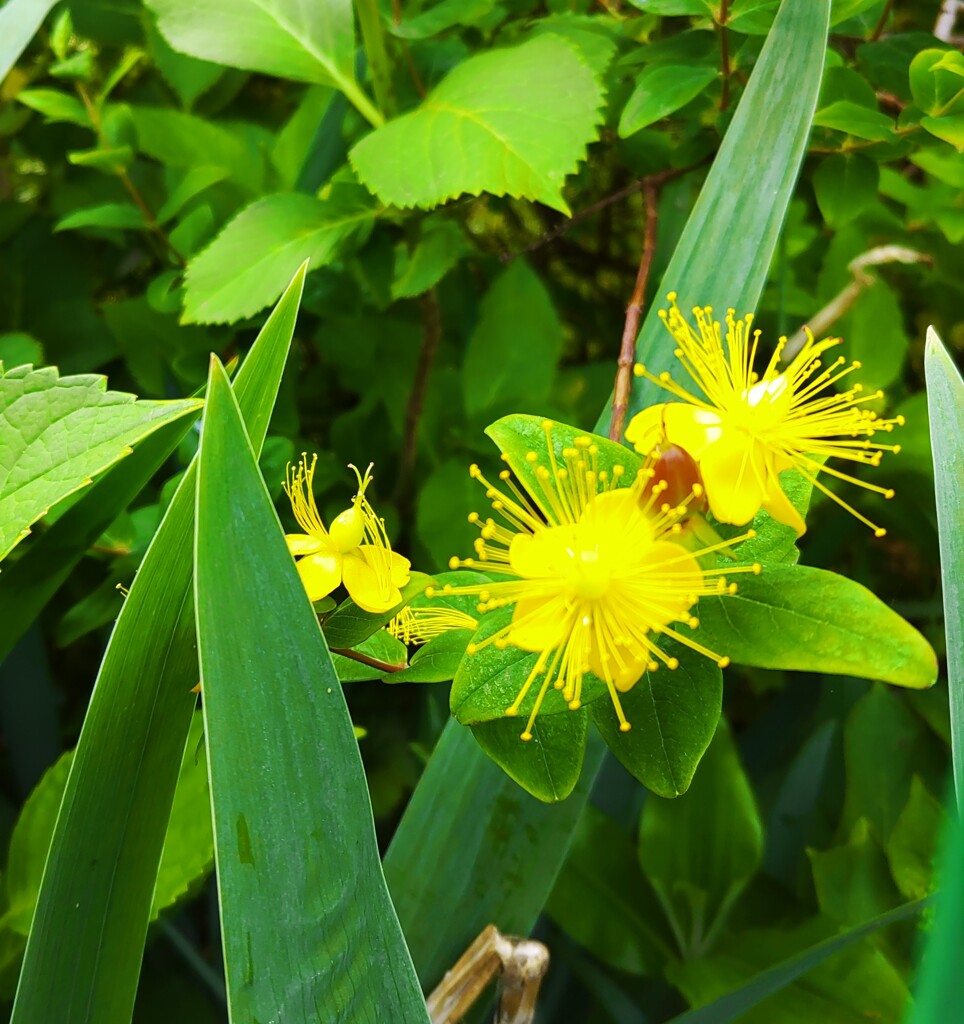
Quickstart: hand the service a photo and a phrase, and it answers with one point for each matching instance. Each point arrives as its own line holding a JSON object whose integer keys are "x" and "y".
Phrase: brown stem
{"x": 431, "y": 336}
{"x": 132, "y": 190}
{"x": 627, "y": 350}
{"x": 365, "y": 659}
{"x": 725, "y": 68}
{"x": 882, "y": 21}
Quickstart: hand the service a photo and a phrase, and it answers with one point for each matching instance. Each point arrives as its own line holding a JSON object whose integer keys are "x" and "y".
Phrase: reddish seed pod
{"x": 677, "y": 470}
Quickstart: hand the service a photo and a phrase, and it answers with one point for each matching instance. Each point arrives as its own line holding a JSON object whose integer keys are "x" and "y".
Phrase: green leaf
{"x": 57, "y": 433}
{"x": 107, "y": 160}
{"x": 54, "y": 105}
{"x": 188, "y": 844}
{"x": 471, "y": 838}
{"x": 945, "y": 404}
{"x": 912, "y": 845}
{"x": 885, "y": 744}
{"x": 775, "y": 541}
{"x": 845, "y": 185}
{"x": 348, "y": 625}
{"x": 512, "y": 353}
{"x": 660, "y": 90}
{"x": 19, "y": 21}
{"x": 18, "y": 349}
{"x": 548, "y": 765}
{"x": 773, "y": 117}
{"x": 602, "y": 900}
{"x": 106, "y": 215}
{"x": 440, "y": 246}
{"x": 798, "y": 617}
{"x": 441, "y": 16}
{"x": 511, "y": 122}
{"x": 700, "y": 850}
{"x": 842, "y": 982}
{"x": 109, "y": 836}
{"x": 852, "y": 881}
{"x": 437, "y": 661}
{"x": 949, "y": 129}
{"x": 246, "y": 267}
{"x": 381, "y": 645}
{"x": 937, "y": 81}
{"x": 297, "y": 945}
{"x": 314, "y": 43}
{"x": 855, "y": 119}
{"x": 673, "y": 714}
{"x": 31, "y": 580}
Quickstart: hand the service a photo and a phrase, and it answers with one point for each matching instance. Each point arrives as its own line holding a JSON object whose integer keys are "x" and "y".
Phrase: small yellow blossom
{"x": 595, "y": 575}
{"x": 744, "y": 429}
{"x": 423, "y": 623}
{"x": 354, "y": 550}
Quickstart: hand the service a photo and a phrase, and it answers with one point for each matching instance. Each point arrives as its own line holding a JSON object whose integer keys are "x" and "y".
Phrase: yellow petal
{"x": 677, "y": 579}
{"x": 371, "y": 590}
{"x": 542, "y": 624}
{"x": 624, "y": 672}
{"x": 780, "y": 507}
{"x": 645, "y": 429}
{"x": 693, "y": 429}
{"x": 735, "y": 475}
{"x": 615, "y": 523}
{"x": 546, "y": 553}
{"x": 302, "y": 544}
{"x": 400, "y": 569}
{"x": 320, "y": 573}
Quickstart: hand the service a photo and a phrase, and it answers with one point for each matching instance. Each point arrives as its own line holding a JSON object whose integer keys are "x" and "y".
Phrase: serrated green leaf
{"x": 945, "y": 404}
{"x": 660, "y": 90}
{"x": 500, "y": 372}
{"x": 673, "y": 714}
{"x": 109, "y": 835}
{"x": 249, "y": 263}
{"x": 799, "y": 617}
{"x": 548, "y": 765}
{"x": 305, "y": 911}
{"x": 512, "y": 122}
{"x": 59, "y": 432}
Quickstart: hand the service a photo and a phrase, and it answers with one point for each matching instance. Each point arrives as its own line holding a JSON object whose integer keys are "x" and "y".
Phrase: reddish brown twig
{"x": 365, "y": 659}
{"x": 882, "y": 21}
{"x": 725, "y": 68}
{"x": 627, "y": 350}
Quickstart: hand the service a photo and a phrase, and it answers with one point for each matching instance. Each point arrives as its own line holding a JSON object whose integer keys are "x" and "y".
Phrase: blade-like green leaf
{"x": 58, "y": 432}
{"x": 733, "y": 1005}
{"x": 471, "y": 838}
{"x": 101, "y": 870}
{"x": 308, "y": 929}
{"x": 512, "y": 122}
{"x": 945, "y": 405}
{"x": 250, "y": 262}
{"x": 19, "y": 21}
{"x": 288, "y": 38}
{"x": 741, "y": 207}
{"x": 29, "y": 582}
{"x": 798, "y": 617}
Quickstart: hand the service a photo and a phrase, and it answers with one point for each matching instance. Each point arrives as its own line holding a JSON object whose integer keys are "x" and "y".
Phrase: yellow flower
{"x": 594, "y": 574}
{"x": 354, "y": 550}
{"x": 744, "y": 429}
{"x": 420, "y": 624}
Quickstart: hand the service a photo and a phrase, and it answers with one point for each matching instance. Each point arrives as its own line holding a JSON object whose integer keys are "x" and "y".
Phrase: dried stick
{"x": 725, "y": 68}
{"x": 627, "y": 350}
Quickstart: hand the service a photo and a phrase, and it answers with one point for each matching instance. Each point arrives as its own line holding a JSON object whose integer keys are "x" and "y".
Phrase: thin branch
{"x": 152, "y": 226}
{"x": 431, "y": 336}
{"x": 365, "y": 659}
{"x": 627, "y": 350}
{"x": 725, "y": 68}
{"x": 657, "y": 179}
{"x": 882, "y": 21}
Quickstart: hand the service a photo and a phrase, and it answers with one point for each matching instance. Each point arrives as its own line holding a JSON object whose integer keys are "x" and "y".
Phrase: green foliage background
{"x": 164, "y": 171}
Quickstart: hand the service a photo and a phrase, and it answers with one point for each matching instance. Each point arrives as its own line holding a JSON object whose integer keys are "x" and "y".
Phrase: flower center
{"x": 589, "y": 576}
